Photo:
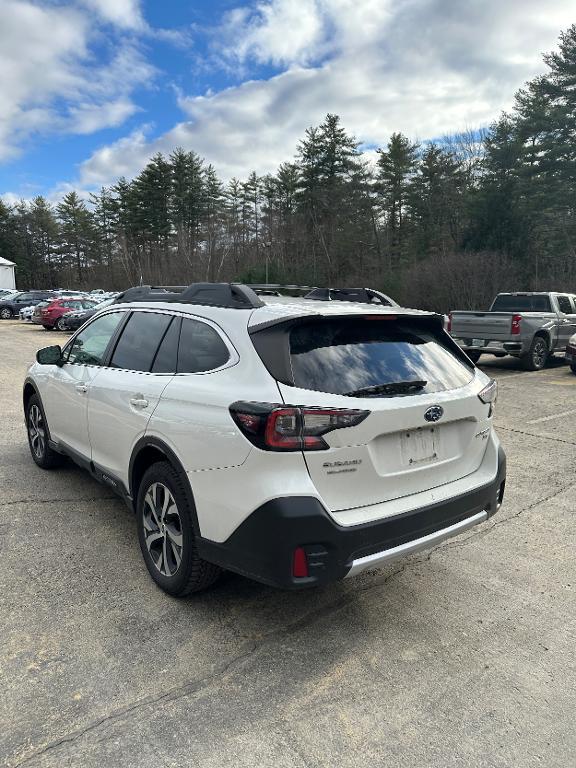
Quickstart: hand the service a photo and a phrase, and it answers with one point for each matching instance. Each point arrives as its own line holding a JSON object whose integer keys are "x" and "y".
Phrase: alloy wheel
{"x": 36, "y": 431}
{"x": 540, "y": 353}
{"x": 5, "y": 314}
{"x": 162, "y": 529}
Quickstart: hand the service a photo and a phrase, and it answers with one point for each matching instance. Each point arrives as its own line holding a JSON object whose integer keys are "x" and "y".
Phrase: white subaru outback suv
{"x": 293, "y": 441}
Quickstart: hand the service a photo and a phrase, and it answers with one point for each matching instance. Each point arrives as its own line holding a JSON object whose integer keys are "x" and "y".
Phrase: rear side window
{"x": 141, "y": 337}
{"x": 201, "y": 348}
{"x": 565, "y": 305}
{"x": 509, "y": 303}
{"x": 344, "y": 355}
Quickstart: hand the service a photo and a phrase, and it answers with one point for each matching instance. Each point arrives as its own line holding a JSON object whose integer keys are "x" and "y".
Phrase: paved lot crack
{"x": 499, "y": 427}
{"x": 126, "y": 711}
{"x": 58, "y": 501}
{"x": 483, "y": 531}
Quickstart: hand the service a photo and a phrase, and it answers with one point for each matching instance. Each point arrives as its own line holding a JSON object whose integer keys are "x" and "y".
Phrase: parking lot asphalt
{"x": 462, "y": 656}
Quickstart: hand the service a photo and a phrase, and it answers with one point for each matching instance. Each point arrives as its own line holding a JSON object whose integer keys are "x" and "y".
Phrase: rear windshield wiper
{"x": 392, "y": 388}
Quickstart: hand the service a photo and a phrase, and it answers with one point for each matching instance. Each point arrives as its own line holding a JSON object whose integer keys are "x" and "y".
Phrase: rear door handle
{"x": 139, "y": 401}
{"x": 82, "y": 388}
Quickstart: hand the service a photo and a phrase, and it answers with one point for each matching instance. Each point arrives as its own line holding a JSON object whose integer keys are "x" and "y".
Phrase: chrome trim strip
{"x": 388, "y": 555}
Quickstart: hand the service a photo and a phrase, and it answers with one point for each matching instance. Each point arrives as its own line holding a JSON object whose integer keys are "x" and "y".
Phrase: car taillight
{"x": 449, "y": 325}
{"x": 516, "y": 324}
{"x": 291, "y": 428}
{"x": 489, "y": 395}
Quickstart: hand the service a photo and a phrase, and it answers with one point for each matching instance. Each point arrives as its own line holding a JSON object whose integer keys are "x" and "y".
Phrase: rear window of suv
{"x": 343, "y": 356}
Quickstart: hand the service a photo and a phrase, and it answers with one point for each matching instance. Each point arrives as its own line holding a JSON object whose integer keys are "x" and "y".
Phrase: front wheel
{"x": 166, "y": 534}
{"x": 5, "y": 313}
{"x": 43, "y": 455}
{"x": 537, "y": 355}
{"x": 60, "y": 324}
{"x": 573, "y": 368}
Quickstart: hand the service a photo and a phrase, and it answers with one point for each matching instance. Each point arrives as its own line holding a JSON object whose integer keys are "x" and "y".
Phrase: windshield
{"x": 507, "y": 302}
{"x": 345, "y": 355}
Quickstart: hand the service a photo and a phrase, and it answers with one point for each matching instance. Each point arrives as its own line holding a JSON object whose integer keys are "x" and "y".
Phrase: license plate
{"x": 418, "y": 446}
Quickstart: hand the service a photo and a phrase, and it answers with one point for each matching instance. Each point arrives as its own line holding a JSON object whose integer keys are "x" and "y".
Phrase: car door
{"x": 566, "y": 320}
{"x": 67, "y": 389}
{"x": 125, "y": 393}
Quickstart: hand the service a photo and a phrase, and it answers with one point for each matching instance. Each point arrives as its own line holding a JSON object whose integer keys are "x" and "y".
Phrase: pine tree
{"x": 76, "y": 234}
{"x": 395, "y": 172}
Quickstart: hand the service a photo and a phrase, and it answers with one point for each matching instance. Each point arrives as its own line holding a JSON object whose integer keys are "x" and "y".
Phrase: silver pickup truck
{"x": 531, "y": 326}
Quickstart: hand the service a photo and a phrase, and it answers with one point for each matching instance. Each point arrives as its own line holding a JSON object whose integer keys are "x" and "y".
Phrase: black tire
{"x": 176, "y": 568}
{"x": 474, "y": 356}
{"x": 48, "y": 327}
{"x": 38, "y": 434}
{"x": 60, "y": 324}
{"x": 6, "y": 313}
{"x": 537, "y": 356}
{"x": 573, "y": 368}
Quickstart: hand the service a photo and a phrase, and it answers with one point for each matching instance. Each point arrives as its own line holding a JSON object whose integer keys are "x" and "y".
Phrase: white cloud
{"x": 280, "y": 32}
{"x": 88, "y": 118}
{"x": 50, "y": 80}
{"x": 123, "y": 13}
{"x": 425, "y": 67}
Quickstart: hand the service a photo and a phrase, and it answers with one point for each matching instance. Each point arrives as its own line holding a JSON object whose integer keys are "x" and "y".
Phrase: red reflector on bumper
{"x": 299, "y": 564}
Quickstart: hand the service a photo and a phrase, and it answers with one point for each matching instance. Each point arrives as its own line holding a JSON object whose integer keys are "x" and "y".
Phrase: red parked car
{"x": 50, "y": 315}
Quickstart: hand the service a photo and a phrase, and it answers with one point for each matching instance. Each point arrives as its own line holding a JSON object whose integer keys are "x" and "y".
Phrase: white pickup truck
{"x": 530, "y": 326}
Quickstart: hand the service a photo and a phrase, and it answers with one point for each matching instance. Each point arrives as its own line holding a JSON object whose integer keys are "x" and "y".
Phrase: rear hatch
{"x": 426, "y": 425}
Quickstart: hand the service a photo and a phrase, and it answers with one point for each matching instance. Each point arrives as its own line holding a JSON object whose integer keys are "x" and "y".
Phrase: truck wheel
{"x": 474, "y": 356}
{"x": 537, "y": 356}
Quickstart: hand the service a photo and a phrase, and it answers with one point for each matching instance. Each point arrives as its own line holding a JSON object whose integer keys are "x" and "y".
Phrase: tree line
{"x": 439, "y": 225}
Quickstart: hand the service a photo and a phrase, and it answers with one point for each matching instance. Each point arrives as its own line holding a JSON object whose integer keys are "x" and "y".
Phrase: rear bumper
{"x": 490, "y": 345}
{"x": 262, "y": 546}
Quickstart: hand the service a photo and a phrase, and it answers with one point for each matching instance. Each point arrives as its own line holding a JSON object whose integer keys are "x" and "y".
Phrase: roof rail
{"x": 275, "y": 289}
{"x": 360, "y": 295}
{"x": 231, "y": 295}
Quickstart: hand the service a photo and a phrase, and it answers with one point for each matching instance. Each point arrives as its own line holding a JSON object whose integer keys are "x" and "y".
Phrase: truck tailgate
{"x": 482, "y": 325}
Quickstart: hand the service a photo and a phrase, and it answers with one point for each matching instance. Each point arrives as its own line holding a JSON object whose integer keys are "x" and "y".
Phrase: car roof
{"x": 276, "y": 309}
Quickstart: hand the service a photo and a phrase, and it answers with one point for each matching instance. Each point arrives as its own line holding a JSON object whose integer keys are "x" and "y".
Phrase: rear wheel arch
{"x": 149, "y": 451}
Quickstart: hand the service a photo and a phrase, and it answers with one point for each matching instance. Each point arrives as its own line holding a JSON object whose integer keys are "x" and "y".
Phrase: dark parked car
{"x": 11, "y": 306}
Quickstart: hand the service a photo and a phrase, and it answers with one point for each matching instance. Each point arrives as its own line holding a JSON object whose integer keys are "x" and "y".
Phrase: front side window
{"x": 140, "y": 339}
{"x": 89, "y": 347}
{"x": 201, "y": 348}
{"x": 343, "y": 356}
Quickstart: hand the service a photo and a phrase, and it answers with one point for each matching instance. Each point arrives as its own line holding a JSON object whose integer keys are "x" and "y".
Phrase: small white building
{"x": 7, "y": 277}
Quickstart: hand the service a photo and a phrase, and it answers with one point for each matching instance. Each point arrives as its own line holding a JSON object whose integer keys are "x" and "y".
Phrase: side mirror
{"x": 50, "y": 355}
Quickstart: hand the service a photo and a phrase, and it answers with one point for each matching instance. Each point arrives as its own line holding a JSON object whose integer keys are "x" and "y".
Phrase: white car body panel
{"x": 65, "y": 398}
{"x": 121, "y": 404}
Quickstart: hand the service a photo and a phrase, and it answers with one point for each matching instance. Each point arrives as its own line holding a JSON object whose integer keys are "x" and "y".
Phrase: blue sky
{"x": 92, "y": 88}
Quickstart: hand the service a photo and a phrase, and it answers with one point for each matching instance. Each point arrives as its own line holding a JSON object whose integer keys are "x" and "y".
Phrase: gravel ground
{"x": 463, "y": 656}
